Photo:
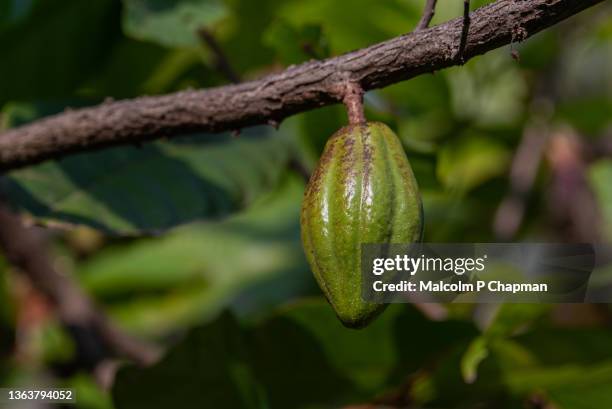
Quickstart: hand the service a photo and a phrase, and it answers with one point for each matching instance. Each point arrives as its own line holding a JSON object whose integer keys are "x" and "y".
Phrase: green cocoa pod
{"x": 362, "y": 191}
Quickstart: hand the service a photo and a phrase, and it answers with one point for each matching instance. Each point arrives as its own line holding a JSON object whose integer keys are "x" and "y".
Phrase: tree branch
{"x": 428, "y": 13}
{"x": 95, "y": 336}
{"x": 278, "y": 96}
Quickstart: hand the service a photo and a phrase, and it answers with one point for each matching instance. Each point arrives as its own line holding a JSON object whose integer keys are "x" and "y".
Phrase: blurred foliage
{"x": 170, "y": 23}
{"x": 154, "y": 187}
{"x": 247, "y": 367}
{"x": 7, "y": 322}
{"x": 49, "y": 49}
{"x": 600, "y": 175}
{"x": 159, "y": 285}
{"x": 194, "y": 242}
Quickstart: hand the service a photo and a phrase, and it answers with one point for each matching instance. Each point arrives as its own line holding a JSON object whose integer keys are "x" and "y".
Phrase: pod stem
{"x": 353, "y": 101}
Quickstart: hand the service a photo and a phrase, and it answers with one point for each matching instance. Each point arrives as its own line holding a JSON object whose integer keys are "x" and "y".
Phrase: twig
{"x": 222, "y": 63}
{"x": 464, "y": 32}
{"x": 525, "y": 164}
{"x": 95, "y": 336}
{"x": 353, "y": 101}
{"x": 428, "y": 13}
{"x": 297, "y": 89}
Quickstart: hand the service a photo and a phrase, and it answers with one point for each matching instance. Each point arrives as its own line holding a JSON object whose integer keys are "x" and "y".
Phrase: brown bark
{"x": 428, "y": 13}
{"x": 278, "y": 96}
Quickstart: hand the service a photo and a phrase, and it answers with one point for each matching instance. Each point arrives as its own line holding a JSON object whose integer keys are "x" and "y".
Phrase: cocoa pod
{"x": 362, "y": 191}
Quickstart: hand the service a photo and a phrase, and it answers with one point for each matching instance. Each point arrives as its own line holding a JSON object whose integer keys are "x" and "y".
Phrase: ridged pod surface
{"x": 362, "y": 191}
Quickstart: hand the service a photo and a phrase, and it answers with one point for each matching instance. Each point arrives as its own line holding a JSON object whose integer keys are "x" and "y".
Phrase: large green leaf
{"x": 130, "y": 190}
{"x": 48, "y": 50}
{"x": 300, "y": 357}
{"x": 253, "y": 260}
{"x": 170, "y": 23}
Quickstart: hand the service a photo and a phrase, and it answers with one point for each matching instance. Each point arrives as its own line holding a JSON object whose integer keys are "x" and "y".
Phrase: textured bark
{"x": 297, "y": 89}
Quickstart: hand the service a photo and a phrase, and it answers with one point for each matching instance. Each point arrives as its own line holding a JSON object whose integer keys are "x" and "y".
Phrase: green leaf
{"x": 252, "y": 260}
{"x": 476, "y": 353}
{"x": 130, "y": 190}
{"x": 301, "y": 357}
{"x": 50, "y": 50}
{"x": 170, "y": 23}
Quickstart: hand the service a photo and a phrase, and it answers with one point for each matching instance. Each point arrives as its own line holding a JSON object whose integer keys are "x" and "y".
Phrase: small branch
{"x": 464, "y": 32}
{"x": 95, "y": 336}
{"x": 297, "y": 89}
{"x": 428, "y": 13}
{"x": 353, "y": 101}
{"x": 222, "y": 63}
{"x": 525, "y": 165}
